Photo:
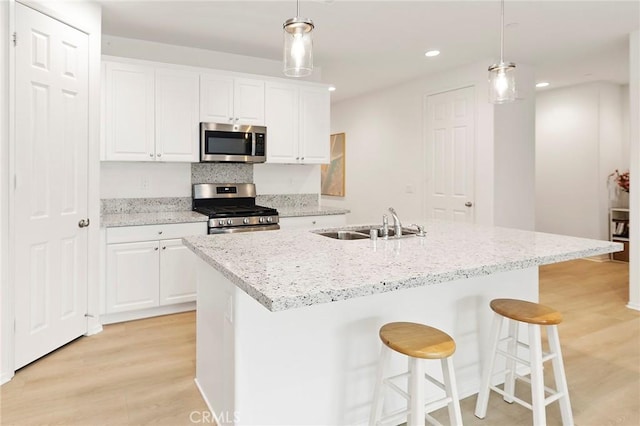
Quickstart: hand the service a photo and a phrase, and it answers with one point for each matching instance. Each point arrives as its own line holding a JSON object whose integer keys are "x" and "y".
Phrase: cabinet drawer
{"x": 125, "y": 234}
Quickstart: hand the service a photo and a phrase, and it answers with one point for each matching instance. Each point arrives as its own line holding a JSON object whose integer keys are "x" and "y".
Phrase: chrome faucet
{"x": 397, "y": 226}
{"x": 385, "y": 226}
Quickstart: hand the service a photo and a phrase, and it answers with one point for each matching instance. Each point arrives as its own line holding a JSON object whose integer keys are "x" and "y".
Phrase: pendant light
{"x": 298, "y": 46}
{"x": 502, "y": 82}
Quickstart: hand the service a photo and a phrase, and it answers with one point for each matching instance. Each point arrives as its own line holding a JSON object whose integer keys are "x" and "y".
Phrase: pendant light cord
{"x": 502, "y": 32}
{"x": 297, "y": 8}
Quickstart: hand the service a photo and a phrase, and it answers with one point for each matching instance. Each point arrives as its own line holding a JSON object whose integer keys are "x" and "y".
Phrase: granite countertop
{"x": 110, "y": 220}
{"x": 289, "y": 269}
{"x": 298, "y": 211}
{"x": 150, "y": 218}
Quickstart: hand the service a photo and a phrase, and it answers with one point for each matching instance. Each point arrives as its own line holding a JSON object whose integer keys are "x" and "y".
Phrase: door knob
{"x": 84, "y": 223}
{"x": 468, "y": 204}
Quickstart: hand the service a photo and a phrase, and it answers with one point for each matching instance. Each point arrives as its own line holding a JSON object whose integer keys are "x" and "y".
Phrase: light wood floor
{"x": 142, "y": 372}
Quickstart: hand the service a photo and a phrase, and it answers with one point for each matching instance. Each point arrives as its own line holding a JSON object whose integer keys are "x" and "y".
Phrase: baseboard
{"x": 6, "y": 377}
{"x": 147, "y": 313}
{"x": 598, "y": 258}
{"x": 94, "y": 330}
{"x": 634, "y": 306}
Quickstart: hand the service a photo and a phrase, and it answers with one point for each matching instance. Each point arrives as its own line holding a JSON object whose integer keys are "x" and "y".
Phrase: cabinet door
{"x": 177, "y": 273}
{"x": 281, "y": 102}
{"x": 314, "y": 125}
{"x": 177, "y": 124}
{"x": 216, "y": 98}
{"x": 129, "y": 116}
{"x": 132, "y": 276}
{"x": 248, "y": 101}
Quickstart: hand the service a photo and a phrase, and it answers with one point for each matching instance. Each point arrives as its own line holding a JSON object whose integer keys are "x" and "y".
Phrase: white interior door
{"x": 450, "y": 143}
{"x": 50, "y": 195}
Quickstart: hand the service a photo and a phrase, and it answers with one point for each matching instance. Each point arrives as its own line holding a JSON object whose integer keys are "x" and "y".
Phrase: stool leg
{"x": 416, "y": 392}
{"x": 559, "y": 375}
{"x": 483, "y": 396}
{"x": 378, "y": 394}
{"x": 455, "y": 416}
{"x": 512, "y": 348}
{"x": 537, "y": 377}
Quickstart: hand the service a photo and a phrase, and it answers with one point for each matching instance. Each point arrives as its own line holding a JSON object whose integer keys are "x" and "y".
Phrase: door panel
{"x": 178, "y": 273}
{"x": 50, "y": 195}
{"x": 450, "y": 142}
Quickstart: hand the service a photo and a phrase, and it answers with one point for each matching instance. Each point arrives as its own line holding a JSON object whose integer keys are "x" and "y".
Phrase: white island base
{"x": 316, "y": 365}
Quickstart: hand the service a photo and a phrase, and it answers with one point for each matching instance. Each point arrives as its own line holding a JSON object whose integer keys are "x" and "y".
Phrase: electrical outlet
{"x": 144, "y": 183}
{"x": 408, "y": 189}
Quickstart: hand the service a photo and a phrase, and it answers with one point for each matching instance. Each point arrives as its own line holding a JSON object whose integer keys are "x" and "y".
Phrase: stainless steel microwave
{"x": 232, "y": 143}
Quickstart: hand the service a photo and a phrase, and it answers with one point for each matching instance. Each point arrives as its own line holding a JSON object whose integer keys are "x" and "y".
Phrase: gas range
{"x": 231, "y": 207}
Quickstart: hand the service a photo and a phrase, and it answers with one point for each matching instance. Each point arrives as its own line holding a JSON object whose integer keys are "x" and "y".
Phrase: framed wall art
{"x": 333, "y": 174}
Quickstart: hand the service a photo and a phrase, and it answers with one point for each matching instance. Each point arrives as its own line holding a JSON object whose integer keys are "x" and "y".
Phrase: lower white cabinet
{"x": 133, "y": 276}
{"x": 144, "y": 271}
{"x": 313, "y": 222}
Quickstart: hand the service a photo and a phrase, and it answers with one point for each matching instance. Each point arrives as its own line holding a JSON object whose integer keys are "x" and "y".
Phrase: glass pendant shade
{"x": 502, "y": 83}
{"x": 298, "y": 47}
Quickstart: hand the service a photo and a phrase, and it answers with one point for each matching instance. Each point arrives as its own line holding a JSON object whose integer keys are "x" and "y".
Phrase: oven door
{"x": 231, "y": 143}
{"x": 251, "y": 228}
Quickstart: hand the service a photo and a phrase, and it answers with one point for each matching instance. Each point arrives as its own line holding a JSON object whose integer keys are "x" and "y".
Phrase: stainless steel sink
{"x": 408, "y": 232}
{"x": 345, "y": 235}
{"x": 363, "y": 233}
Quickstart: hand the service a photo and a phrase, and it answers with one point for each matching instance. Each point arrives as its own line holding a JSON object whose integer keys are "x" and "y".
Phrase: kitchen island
{"x": 287, "y": 321}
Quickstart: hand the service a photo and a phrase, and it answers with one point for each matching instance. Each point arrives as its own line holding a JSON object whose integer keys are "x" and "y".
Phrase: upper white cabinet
{"x": 129, "y": 126}
{"x": 177, "y": 129}
{"x": 297, "y": 119}
{"x": 226, "y": 99}
{"x": 151, "y": 114}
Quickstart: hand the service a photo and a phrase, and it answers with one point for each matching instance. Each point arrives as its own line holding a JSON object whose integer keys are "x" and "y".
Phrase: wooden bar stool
{"x": 418, "y": 342}
{"x": 535, "y": 316}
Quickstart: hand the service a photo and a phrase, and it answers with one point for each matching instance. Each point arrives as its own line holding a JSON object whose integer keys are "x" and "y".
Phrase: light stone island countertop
{"x": 289, "y": 269}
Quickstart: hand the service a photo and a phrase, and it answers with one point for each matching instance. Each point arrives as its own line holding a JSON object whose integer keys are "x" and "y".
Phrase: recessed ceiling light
{"x": 542, "y": 84}
{"x": 431, "y": 53}
{"x": 332, "y": 88}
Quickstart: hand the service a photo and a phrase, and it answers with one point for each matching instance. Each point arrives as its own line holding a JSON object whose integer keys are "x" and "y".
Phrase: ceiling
{"x": 362, "y": 46}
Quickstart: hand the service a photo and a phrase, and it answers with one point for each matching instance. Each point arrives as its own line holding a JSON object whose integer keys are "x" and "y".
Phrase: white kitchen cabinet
{"x": 313, "y": 222}
{"x": 129, "y": 127}
{"x": 297, "y": 119}
{"x": 133, "y": 272}
{"x": 148, "y": 266}
{"x": 177, "y": 273}
{"x": 176, "y": 121}
{"x": 226, "y": 99}
{"x": 151, "y": 113}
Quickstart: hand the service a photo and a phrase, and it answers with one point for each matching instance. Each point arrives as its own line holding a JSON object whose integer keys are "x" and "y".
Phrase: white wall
{"x": 579, "y": 142}
{"x": 134, "y": 180}
{"x": 385, "y": 149}
{"x": 160, "y": 52}
{"x": 634, "y": 120}
{"x": 6, "y": 364}
{"x": 286, "y": 178}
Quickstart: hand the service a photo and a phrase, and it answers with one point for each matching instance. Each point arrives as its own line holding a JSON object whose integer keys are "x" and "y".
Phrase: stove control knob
{"x": 221, "y": 222}
{"x": 245, "y": 220}
{"x": 269, "y": 219}
{"x": 229, "y": 222}
{"x": 261, "y": 220}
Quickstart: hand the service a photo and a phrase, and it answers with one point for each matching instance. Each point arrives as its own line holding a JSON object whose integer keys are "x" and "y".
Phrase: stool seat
{"x": 527, "y": 312}
{"x": 417, "y": 340}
